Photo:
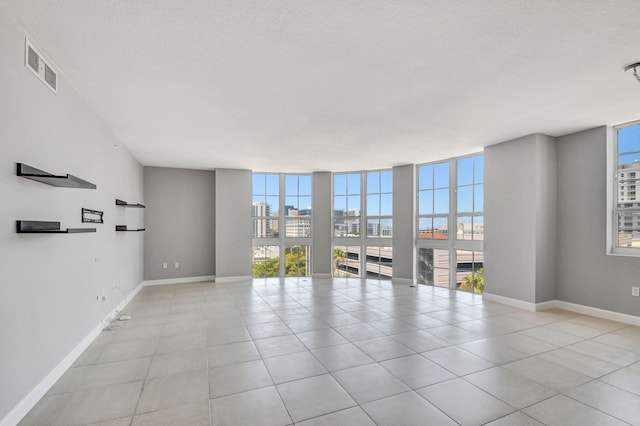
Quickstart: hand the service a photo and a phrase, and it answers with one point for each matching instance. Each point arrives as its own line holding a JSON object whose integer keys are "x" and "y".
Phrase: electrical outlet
{"x": 164, "y": 265}
{"x": 177, "y": 265}
{"x": 635, "y": 291}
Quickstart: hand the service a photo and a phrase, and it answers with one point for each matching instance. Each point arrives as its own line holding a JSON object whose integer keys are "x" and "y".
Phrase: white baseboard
{"x": 516, "y": 303}
{"x": 404, "y": 281}
{"x": 36, "y": 394}
{"x": 180, "y": 280}
{"x": 567, "y": 306}
{"x": 234, "y": 279}
{"x": 599, "y": 313}
{"x": 321, "y": 276}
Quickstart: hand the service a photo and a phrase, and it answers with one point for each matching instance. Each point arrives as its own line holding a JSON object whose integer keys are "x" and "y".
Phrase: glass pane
{"x": 373, "y": 205}
{"x": 291, "y": 206}
{"x": 629, "y": 139}
{"x": 353, "y": 183}
{"x": 297, "y": 261}
{"x": 340, "y": 203}
{"x": 465, "y": 228}
{"x": 465, "y": 171}
{"x": 478, "y": 168}
{"x": 441, "y": 201}
{"x": 470, "y": 271}
{"x": 465, "y": 199}
{"x": 291, "y": 185}
{"x": 273, "y": 185}
{"x": 266, "y": 261}
{"x": 425, "y": 202}
{"x": 433, "y": 267}
{"x": 441, "y": 172}
{"x": 258, "y": 208}
{"x": 386, "y": 181}
{"x": 425, "y": 177}
{"x": 629, "y": 229}
{"x": 255, "y": 200}
{"x": 626, "y": 161}
{"x": 346, "y": 261}
{"x": 304, "y": 185}
{"x": 386, "y": 227}
{"x": 298, "y": 227}
{"x": 386, "y": 205}
{"x": 353, "y": 205}
{"x": 339, "y": 184}
{"x": 373, "y": 227}
{"x": 440, "y": 228}
{"x": 478, "y": 198}
{"x": 478, "y": 227}
{"x": 425, "y": 266}
{"x": 379, "y": 261}
{"x": 258, "y": 183}
{"x": 273, "y": 204}
{"x": 304, "y": 203}
{"x": 425, "y": 227}
{"x": 373, "y": 182}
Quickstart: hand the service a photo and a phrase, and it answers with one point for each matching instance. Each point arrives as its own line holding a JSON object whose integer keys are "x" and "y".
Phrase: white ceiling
{"x": 301, "y": 85}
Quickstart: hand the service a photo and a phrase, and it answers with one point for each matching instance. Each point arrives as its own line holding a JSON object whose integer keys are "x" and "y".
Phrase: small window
{"x": 626, "y": 209}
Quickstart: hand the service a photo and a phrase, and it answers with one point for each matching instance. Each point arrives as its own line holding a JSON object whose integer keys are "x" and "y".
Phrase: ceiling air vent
{"x": 39, "y": 66}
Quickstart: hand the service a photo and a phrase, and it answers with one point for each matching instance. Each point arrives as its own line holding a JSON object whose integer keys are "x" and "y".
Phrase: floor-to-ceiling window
{"x": 450, "y": 223}
{"x": 281, "y": 242}
{"x": 363, "y": 225}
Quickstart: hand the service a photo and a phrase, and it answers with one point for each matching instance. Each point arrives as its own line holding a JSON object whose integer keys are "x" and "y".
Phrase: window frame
{"x": 613, "y": 208}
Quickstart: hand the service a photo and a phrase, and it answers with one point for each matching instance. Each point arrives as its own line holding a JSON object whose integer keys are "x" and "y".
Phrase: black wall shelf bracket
{"x": 123, "y": 228}
{"x": 125, "y": 204}
{"x": 65, "y": 181}
{"x": 40, "y": 227}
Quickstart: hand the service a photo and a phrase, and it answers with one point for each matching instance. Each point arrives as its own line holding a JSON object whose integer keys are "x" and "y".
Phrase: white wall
{"x": 404, "y": 196}
{"x": 321, "y": 252}
{"x": 49, "y": 283}
{"x": 586, "y": 274}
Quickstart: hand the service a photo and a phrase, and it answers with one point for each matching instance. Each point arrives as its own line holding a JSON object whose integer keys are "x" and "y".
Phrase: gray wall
{"x": 404, "y": 196}
{"x": 586, "y": 274}
{"x": 510, "y": 218}
{"x": 49, "y": 283}
{"x": 233, "y": 223}
{"x": 179, "y": 219}
{"x": 322, "y": 257}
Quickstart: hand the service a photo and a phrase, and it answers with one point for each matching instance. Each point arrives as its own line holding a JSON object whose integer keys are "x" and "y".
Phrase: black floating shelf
{"x": 66, "y": 181}
{"x": 125, "y": 204}
{"x": 123, "y": 228}
{"x": 39, "y": 227}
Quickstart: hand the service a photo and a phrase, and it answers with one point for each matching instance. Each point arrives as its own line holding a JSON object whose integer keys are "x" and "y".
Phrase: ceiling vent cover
{"x": 34, "y": 61}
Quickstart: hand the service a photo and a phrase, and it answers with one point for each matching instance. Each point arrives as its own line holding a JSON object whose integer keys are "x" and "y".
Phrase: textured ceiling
{"x": 338, "y": 85}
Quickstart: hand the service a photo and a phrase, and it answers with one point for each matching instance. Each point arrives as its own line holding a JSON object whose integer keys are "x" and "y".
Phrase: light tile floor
{"x": 346, "y": 352}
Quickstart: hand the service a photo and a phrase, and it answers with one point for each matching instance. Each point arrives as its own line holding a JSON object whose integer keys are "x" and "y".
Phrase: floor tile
{"x": 128, "y": 350}
{"x": 321, "y": 338}
{"x": 548, "y": 374}
{"x": 515, "y": 419}
{"x": 493, "y": 351}
{"x": 420, "y": 340}
{"x": 164, "y": 365}
{"x": 407, "y": 409}
{"x": 563, "y": 411}
{"x": 314, "y": 396}
{"x": 102, "y": 374}
{"x": 88, "y": 405}
{"x": 522, "y": 343}
{"x": 173, "y": 390}
{"x": 607, "y": 353}
{"x": 512, "y": 388}
{"x": 393, "y": 326}
{"x": 232, "y": 353}
{"x": 181, "y": 342}
{"x": 341, "y": 357}
{"x": 350, "y": 417}
{"x": 422, "y": 321}
{"x": 383, "y": 348}
{"x": 235, "y": 378}
{"x": 258, "y": 407}
{"x": 286, "y": 368}
{"x": 222, "y": 336}
{"x": 196, "y": 414}
{"x": 358, "y": 332}
{"x": 549, "y": 335}
{"x": 269, "y": 329}
{"x": 306, "y": 324}
{"x": 626, "y": 378}
{"x": 585, "y": 364}
{"x": 609, "y": 399}
{"x": 416, "y": 371}
{"x": 458, "y": 361}
{"x": 479, "y": 407}
{"x": 280, "y": 345}
{"x": 619, "y": 341}
{"x": 454, "y": 335}
{"x": 369, "y": 382}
